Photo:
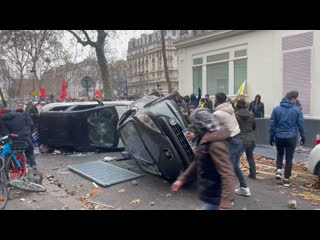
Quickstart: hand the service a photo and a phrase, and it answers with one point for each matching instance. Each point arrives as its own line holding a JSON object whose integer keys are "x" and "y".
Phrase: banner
{"x": 98, "y": 95}
{"x": 63, "y": 89}
{"x": 43, "y": 92}
{"x": 240, "y": 92}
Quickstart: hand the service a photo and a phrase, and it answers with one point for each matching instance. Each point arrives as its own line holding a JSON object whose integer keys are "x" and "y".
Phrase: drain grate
{"x": 104, "y": 174}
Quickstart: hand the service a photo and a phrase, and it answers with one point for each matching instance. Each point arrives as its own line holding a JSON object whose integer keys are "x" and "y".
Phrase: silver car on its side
{"x": 314, "y": 159}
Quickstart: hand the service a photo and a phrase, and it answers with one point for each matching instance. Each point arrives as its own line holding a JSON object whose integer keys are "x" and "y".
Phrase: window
{"x": 150, "y": 38}
{"x": 174, "y": 33}
{"x": 218, "y": 57}
{"x": 218, "y": 78}
{"x": 240, "y": 53}
{"x": 170, "y": 64}
{"x": 197, "y": 79}
{"x": 240, "y": 74}
{"x": 197, "y": 61}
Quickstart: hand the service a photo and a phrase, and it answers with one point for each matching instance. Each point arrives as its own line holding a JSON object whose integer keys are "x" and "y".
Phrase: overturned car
{"x": 153, "y": 133}
{"x": 83, "y": 126}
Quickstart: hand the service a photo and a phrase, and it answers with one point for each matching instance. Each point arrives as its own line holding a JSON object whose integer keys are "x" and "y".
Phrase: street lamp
{"x": 33, "y": 72}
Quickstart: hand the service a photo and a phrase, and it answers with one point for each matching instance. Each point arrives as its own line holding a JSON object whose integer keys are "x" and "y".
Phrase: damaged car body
{"x": 84, "y": 126}
{"x": 152, "y": 131}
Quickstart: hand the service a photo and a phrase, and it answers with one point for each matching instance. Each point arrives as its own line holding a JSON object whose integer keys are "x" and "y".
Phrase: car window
{"x": 83, "y": 107}
{"x": 60, "y": 108}
{"x": 102, "y": 126}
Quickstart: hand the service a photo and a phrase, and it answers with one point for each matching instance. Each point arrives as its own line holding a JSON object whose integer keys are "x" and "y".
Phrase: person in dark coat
{"x": 194, "y": 101}
{"x": 257, "y": 107}
{"x": 284, "y": 122}
{"x": 20, "y": 123}
{"x": 212, "y": 167}
{"x": 247, "y": 126}
{"x": 208, "y": 103}
{"x": 34, "y": 113}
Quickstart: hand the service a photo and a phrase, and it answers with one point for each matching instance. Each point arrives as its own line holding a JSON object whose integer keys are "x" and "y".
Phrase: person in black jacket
{"x": 257, "y": 107}
{"x": 194, "y": 101}
{"x": 20, "y": 123}
{"x": 247, "y": 126}
{"x": 208, "y": 103}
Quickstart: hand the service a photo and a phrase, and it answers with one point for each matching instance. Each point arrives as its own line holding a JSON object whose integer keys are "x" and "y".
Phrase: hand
{"x": 302, "y": 141}
{"x": 271, "y": 141}
{"x": 175, "y": 187}
{"x": 191, "y": 135}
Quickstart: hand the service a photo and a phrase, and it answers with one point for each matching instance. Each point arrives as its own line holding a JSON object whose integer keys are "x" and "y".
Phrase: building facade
{"x": 272, "y": 62}
{"x": 145, "y": 63}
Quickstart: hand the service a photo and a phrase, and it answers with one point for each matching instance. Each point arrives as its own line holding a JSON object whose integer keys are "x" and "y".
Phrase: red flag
{"x": 98, "y": 95}
{"x": 69, "y": 99}
{"x": 63, "y": 89}
{"x": 43, "y": 92}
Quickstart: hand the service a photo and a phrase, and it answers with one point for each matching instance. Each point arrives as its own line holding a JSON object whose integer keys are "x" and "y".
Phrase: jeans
{"x": 209, "y": 206}
{"x": 248, "y": 148}
{"x": 236, "y": 149}
{"x": 288, "y": 145}
{"x": 29, "y": 151}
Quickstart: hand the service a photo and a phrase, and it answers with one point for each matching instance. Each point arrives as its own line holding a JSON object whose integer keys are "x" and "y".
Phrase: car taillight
{"x": 317, "y": 141}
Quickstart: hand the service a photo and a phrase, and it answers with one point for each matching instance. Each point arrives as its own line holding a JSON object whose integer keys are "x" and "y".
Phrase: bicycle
{"x": 6, "y": 159}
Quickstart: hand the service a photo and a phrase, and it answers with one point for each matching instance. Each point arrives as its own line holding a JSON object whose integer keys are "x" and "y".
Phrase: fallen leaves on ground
{"x": 121, "y": 190}
{"x": 169, "y": 195}
{"x": 135, "y": 201}
{"x": 95, "y": 191}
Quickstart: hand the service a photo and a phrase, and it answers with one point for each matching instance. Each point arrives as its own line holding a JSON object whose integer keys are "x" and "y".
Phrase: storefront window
{"x": 197, "y": 79}
{"x": 240, "y": 75}
{"x": 218, "y": 78}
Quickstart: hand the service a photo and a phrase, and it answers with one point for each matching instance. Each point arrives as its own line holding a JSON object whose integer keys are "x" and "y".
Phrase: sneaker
{"x": 243, "y": 191}
{"x": 286, "y": 182}
{"x": 278, "y": 174}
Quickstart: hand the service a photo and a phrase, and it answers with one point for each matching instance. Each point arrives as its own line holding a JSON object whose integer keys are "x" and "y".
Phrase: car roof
{"x": 53, "y": 105}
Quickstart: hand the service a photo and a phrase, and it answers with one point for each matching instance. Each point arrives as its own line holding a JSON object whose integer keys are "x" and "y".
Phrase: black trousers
{"x": 285, "y": 146}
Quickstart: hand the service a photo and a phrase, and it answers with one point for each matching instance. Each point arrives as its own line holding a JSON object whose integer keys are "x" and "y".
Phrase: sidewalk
{"x": 271, "y": 152}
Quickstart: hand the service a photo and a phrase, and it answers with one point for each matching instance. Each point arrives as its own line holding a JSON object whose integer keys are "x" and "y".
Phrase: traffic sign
{"x": 35, "y": 94}
{"x": 86, "y": 82}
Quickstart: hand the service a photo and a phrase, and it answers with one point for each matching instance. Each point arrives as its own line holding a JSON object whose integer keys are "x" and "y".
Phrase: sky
{"x": 119, "y": 45}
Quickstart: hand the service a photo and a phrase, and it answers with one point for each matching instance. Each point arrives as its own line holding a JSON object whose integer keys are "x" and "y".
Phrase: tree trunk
{"x": 165, "y": 64}
{"x": 102, "y": 61}
{"x": 18, "y": 91}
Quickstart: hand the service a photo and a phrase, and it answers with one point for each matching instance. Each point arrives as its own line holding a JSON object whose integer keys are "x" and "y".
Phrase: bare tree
{"x": 165, "y": 64}
{"x": 14, "y": 47}
{"x": 86, "y": 38}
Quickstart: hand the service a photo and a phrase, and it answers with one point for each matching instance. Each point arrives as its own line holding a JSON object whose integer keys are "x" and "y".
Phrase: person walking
{"x": 257, "y": 107}
{"x": 212, "y": 166}
{"x": 284, "y": 122}
{"x": 194, "y": 101}
{"x": 20, "y": 123}
{"x": 247, "y": 126}
{"x": 224, "y": 113}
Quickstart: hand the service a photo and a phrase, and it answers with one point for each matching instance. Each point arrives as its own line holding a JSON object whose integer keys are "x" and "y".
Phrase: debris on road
{"x": 95, "y": 191}
{"x": 102, "y": 204}
{"x": 169, "y": 195}
{"x": 94, "y": 184}
{"x": 75, "y": 154}
{"x": 56, "y": 168}
{"x": 109, "y": 159}
{"x": 134, "y": 183}
{"x": 22, "y": 200}
{"x": 122, "y": 190}
{"x": 292, "y": 204}
{"x": 56, "y": 152}
{"x": 151, "y": 203}
{"x": 135, "y": 201}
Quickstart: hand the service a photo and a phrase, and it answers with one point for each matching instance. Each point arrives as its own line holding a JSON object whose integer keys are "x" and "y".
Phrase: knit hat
{"x": 241, "y": 104}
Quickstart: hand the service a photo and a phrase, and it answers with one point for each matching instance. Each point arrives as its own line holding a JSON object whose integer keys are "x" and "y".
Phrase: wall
{"x": 264, "y": 65}
{"x": 312, "y": 127}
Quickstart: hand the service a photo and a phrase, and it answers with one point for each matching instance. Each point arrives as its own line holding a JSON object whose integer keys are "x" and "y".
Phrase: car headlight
{"x": 146, "y": 120}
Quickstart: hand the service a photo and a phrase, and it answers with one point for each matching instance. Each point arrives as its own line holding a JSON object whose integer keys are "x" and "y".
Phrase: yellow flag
{"x": 240, "y": 91}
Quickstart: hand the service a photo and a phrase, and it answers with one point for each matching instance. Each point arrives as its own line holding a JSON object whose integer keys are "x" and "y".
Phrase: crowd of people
{"x": 223, "y": 131}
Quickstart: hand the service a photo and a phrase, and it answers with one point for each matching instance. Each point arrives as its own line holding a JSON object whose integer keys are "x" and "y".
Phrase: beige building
{"x": 146, "y": 71}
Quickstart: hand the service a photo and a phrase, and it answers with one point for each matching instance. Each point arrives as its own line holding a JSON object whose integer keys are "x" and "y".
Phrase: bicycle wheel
{"x": 3, "y": 196}
{"x": 13, "y": 171}
{"x": 27, "y": 186}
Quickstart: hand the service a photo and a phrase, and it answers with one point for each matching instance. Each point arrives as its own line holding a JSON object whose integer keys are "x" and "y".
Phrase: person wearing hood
{"x": 224, "y": 113}
{"x": 212, "y": 166}
{"x": 20, "y": 123}
{"x": 247, "y": 126}
{"x": 194, "y": 101}
{"x": 284, "y": 122}
{"x": 257, "y": 107}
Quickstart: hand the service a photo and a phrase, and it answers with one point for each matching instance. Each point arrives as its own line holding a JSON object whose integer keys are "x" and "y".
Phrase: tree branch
{"x": 84, "y": 43}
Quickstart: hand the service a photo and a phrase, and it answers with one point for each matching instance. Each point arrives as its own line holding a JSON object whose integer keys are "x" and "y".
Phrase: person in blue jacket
{"x": 284, "y": 122}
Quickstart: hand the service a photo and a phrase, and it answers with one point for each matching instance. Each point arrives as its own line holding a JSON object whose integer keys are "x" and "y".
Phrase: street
{"x": 70, "y": 191}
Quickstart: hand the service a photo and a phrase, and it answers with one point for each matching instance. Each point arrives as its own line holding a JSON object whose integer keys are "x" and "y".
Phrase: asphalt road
{"x": 73, "y": 193}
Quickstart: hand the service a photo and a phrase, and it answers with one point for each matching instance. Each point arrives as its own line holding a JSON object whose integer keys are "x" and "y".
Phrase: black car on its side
{"x": 83, "y": 126}
{"x": 152, "y": 131}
